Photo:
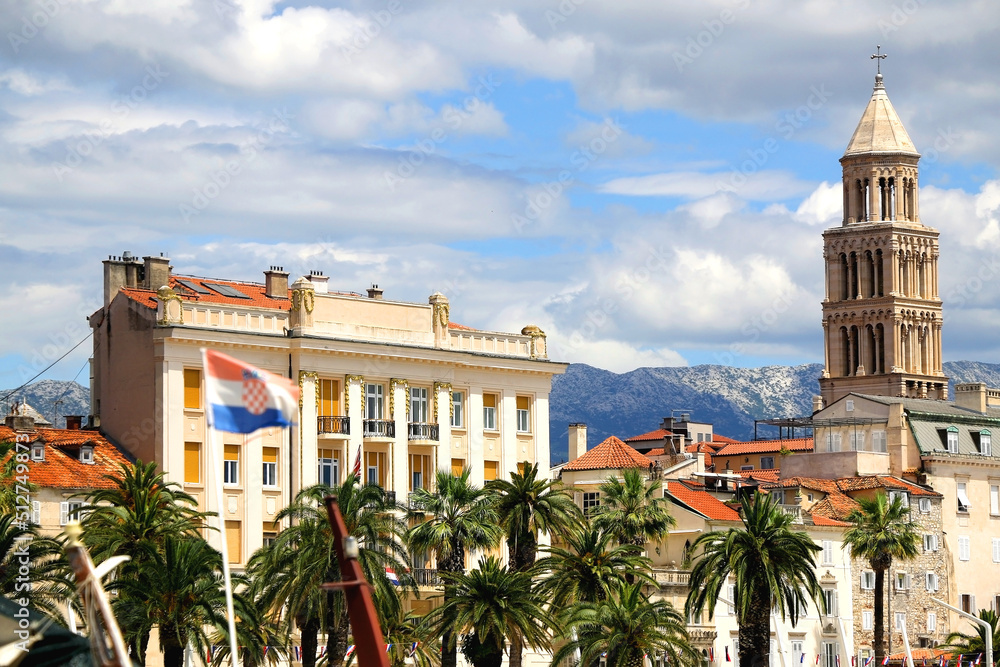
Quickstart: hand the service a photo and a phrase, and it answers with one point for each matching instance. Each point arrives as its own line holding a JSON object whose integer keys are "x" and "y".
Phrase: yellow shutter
{"x": 232, "y": 453}
{"x": 457, "y": 466}
{"x": 523, "y": 402}
{"x": 489, "y": 400}
{"x": 192, "y": 463}
{"x": 192, "y": 388}
{"x": 522, "y": 466}
{"x": 490, "y": 470}
{"x": 270, "y": 454}
{"x": 326, "y": 453}
{"x": 329, "y": 398}
{"x": 234, "y": 541}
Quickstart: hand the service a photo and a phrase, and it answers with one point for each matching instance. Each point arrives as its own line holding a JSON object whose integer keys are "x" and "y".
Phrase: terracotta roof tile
{"x": 766, "y": 446}
{"x": 656, "y": 452}
{"x": 62, "y": 468}
{"x": 702, "y": 501}
{"x": 770, "y": 475}
{"x": 459, "y": 327}
{"x": 723, "y": 439}
{"x": 820, "y": 520}
{"x": 612, "y": 454}
{"x": 814, "y": 483}
{"x": 658, "y": 434}
{"x": 882, "y": 482}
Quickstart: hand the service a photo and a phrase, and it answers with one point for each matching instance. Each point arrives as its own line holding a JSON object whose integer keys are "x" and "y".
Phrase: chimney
{"x": 320, "y": 282}
{"x": 74, "y": 422}
{"x": 971, "y": 395}
{"x": 577, "y": 441}
{"x": 374, "y": 292}
{"x": 20, "y": 422}
{"x": 817, "y": 403}
{"x": 156, "y": 272}
{"x": 120, "y": 272}
{"x": 276, "y": 283}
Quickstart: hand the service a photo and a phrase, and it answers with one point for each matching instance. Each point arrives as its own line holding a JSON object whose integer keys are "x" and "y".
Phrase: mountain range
{"x": 620, "y": 404}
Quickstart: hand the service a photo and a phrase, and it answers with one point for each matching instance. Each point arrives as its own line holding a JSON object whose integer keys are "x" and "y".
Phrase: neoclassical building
{"x": 882, "y": 311}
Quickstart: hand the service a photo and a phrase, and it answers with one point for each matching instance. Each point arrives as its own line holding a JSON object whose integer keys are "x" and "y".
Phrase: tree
{"x": 288, "y": 573}
{"x": 406, "y": 638}
{"x": 975, "y": 642}
{"x": 628, "y": 627}
{"x": 880, "y": 531}
{"x": 632, "y": 511}
{"x": 456, "y": 516}
{"x": 591, "y": 569}
{"x": 526, "y": 506}
{"x": 47, "y": 583}
{"x": 493, "y": 603}
{"x": 773, "y": 567}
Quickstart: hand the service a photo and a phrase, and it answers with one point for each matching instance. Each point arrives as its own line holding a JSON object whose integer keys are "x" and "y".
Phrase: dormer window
{"x": 38, "y": 451}
{"x": 949, "y": 438}
{"x": 87, "y": 454}
{"x": 983, "y": 441}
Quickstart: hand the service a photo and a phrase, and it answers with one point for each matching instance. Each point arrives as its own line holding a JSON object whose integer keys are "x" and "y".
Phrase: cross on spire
{"x": 878, "y": 57}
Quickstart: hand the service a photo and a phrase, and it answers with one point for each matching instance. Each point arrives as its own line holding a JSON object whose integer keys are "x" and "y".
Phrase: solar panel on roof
{"x": 193, "y": 286}
{"x": 226, "y": 290}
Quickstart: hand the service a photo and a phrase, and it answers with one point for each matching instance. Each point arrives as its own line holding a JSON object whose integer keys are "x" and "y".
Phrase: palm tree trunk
{"x": 173, "y": 656}
{"x": 309, "y": 633}
{"x": 879, "y": 616}
{"x": 454, "y": 563}
{"x": 336, "y": 640}
{"x": 755, "y": 633}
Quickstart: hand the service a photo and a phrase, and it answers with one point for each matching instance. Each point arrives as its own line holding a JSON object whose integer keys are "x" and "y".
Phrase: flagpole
{"x": 217, "y": 457}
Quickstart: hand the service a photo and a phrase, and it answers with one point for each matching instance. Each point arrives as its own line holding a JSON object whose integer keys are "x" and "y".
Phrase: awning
{"x": 963, "y": 499}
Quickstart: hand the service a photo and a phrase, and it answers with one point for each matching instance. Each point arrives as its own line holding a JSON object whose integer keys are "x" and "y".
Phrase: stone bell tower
{"x": 882, "y": 312}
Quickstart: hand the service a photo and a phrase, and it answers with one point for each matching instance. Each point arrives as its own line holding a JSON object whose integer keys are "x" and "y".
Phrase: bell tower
{"x": 882, "y": 312}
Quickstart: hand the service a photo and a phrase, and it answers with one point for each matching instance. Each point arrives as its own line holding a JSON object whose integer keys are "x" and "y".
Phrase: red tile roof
{"x": 723, "y": 439}
{"x": 821, "y": 520}
{"x": 612, "y": 454}
{"x": 760, "y": 475}
{"x": 882, "y": 482}
{"x": 62, "y": 468}
{"x": 459, "y": 327}
{"x": 766, "y": 446}
{"x": 703, "y": 502}
{"x": 814, "y": 483}
{"x": 658, "y": 434}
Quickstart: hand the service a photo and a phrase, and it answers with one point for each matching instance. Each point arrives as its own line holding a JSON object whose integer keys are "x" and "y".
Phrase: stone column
{"x": 308, "y": 400}
{"x": 508, "y": 433}
{"x": 475, "y": 430}
{"x": 442, "y": 416}
{"x": 873, "y": 192}
{"x": 826, "y": 348}
{"x": 397, "y": 477}
{"x": 916, "y": 200}
{"x": 354, "y": 397}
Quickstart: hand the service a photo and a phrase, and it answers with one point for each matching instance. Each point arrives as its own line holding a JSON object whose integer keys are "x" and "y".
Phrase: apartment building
{"x": 396, "y": 387}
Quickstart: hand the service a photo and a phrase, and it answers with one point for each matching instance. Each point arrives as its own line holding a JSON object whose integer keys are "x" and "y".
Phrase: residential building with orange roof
{"x": 758, "y": 454}
{"x": 396, "y": 386}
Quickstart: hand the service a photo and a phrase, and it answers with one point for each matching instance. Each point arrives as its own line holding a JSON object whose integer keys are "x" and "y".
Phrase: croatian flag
{"x": 391, "y": 576}
{"x": 242, "y": 399}
{"x": 413, "y": 647}
{"x": 350, "y": 650}
{"x": 711, "y": 654}
{"x": 298, "y": 653}
{"x": 727, "y": 655}
{"x": 886, "y": 661}
{"x": 802, "y": 659}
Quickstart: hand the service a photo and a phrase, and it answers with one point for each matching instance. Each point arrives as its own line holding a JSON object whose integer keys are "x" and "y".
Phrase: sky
{"x": 647, "y": 181}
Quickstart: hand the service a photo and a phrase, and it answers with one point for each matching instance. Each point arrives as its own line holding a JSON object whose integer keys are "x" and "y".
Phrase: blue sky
{"x": 646, "y": 181}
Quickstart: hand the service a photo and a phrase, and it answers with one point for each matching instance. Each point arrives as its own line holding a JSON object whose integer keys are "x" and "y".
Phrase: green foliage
{"x": 974, "y": 642}
{"x": 634, "y": 511}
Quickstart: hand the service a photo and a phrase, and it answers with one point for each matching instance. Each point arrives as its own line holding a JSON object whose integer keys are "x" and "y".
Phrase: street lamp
{"x": 988, "y": 643}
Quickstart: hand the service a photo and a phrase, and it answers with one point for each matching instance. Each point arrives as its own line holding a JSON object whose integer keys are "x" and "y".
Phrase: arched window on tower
{"x": 890, "y": 198}
{"x": 845, "y": 346}
{"x": 880, "y": 347}
{"x": 904, "y": 275}
{"x": 922, "y": 275}
{"x": 879, "y": 277}
{"x": 855, "y": 352}
{"x": 869, "y": 281}
{"x": 845, "y": 277}
{"x": 871, "y": 360}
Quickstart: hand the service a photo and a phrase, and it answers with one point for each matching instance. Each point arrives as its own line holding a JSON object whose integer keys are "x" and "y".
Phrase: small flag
{"x": 298, "y": 654}
{"x": 322, "y": 651}
{"x": 357, "y": 464}
{"x": 958, "y": 663}
{"x": 413, "y": 647}
{"x": 886, "y": 661}
{"x": 242, "y": 398}
{"x": 925, "y": 661}
{"x": 266, "y": 649}
{"x": 711, "y": 654}
{"x": 728, "y": 659}
{"x": 350, "y": 650}
{"x": 391, "y": 576}
{"x": 978, "y": 658}
{"x": 817, "y": 658}
{"x": 802, "y": 659}
{"x": 387, "y": 647}
{"x": 604, "y": 655}
{"x": 208, "y": 656}
{"x": 854, "y": 661}
{"x": 838, "y": 659}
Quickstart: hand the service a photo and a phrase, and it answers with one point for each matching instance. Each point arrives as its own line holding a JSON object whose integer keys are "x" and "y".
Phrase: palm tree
{"x": 179, "y": 590}
{"x": 289, "y": 572}
{"x": 628, "y": 628}
{"x": 880, "y": 531}
{"x": 591, "y": 569}
{"x": 491, "y": 604}
{"x": 773, "y": 567}
{"x": 975, "y": 642}
{"x": 455, "y": 517}
{"x": 632, "y": 510}
{"x": 47, "y": 584}
{"x": 405, "y": 636}
{"x": 526, "y": 506}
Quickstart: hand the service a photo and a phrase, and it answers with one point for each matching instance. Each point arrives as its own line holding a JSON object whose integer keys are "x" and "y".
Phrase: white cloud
{"x": 762, "y": 185}
{"x": 22, "y": 83}
{"x": 823, "y": 206}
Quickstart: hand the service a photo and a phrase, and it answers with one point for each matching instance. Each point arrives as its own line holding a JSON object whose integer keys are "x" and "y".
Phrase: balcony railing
{"x": 426, "y": 576}
{"x": 793, "y": 511}
{"x": 672, "y": 577}
{"x": 380, "y": 428}
{"x": 340, "y": 425}
{"x": 410, "y": 502}
{"x": 422, "y": 431}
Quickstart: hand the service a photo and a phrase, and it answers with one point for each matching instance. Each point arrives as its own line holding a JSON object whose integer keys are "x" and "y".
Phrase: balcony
{"x": 422, "y": 431}
{"x": 333, "y": 425}
{"x": 793, "y": 511}
{"x": 426, "y": 576}
{"x": 380, "y": 428}
{"x": 410, "y": 502}
{"x": 672, "y": 577}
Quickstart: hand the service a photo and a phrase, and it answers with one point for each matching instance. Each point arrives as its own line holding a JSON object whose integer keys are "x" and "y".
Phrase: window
{"x": 849, "y": 405}
{"x": 69, "y": 511}
{"x": 931, "y": 621}
{"x": 746, "y": 467}
{"x": 418, "y": 405}
{"x": 858, "y": 441}
{"x": 867, "y": 580}
{"x": 902, "y": 495}
{"x": 996, "y": 549}
{"x": 964, "y": 547}
{"x": 270, "y": 474}
{"x": 996, "y": 603}
{"x": 38, "y": 451}
{"x": 827, "y": 552}
{"x": 234, "y": 541}
{"x": 963, "y": 497}
{"x": 967, "y": 603}
{"x": 590, "y": 501}
{"x": 930, "y": 581}
{"x": 231, "y": 465}
{"x": 984, "y": 442}
{"x": 269, "y": 535}
{"x": 767, "y": 463}
{"x": 994, "y": 499}
{"x": 329, "y": 398}
{"x": 902, "y": 581}
{"x": 830, "y": 596}
{"x": 930, "y": 542}
{"x": 949, "y": 439}
{"x": 523, "y": 414}
{"x": 420, "y": 471}
{"x": 900, "y": 621}
{"x": 490, "y": 469}
{"x": 374, "y": 468}
{"x": 374, "y": 401}
{"x": 694, "y": 618}
{"x": 879, "y": 443}
{"x": 457, "y": 467}
{"x": 36, "y": 512}
{"x": 797, "y": 651}
{"x": 866, "y": 620}
{"x": 328, "y": 467}
{"x": 457, "y": 402}
{"x": 192, "y": 388}
{"x": 490, "y": 412}
{"x": 830, "y": 651}
{"x": 925, "y": 505}
{"x": 192, "y": 463}
{"x": 833, "y": 442}
{"x": 87, "y": 454}
{"x": 731, "y": 597}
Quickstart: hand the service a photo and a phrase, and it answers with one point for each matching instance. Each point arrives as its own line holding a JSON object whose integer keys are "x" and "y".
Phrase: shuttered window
{"x": 490, "y": 469}
{"x": 270, "y": 473}
{"x": 234, "y": 541}
{"x": 192, "y": 463}
{"x": 192, "y": 388}
{"x": 457, "y": 466}
{"x": 231, "y": 465}
{"x": 329, "y": 398}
